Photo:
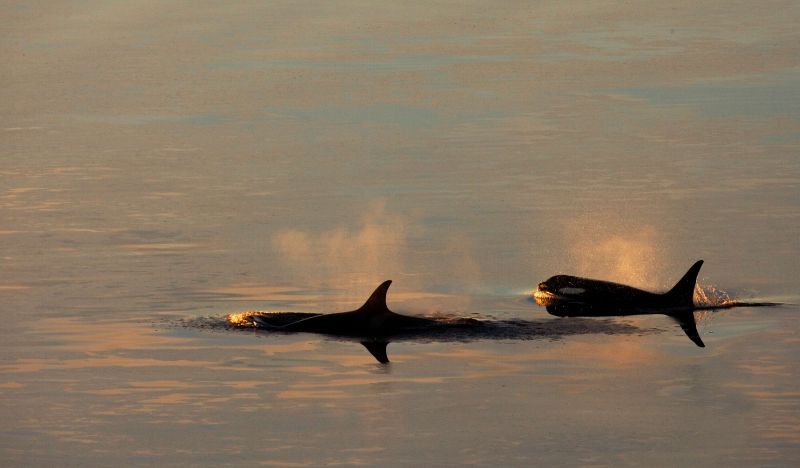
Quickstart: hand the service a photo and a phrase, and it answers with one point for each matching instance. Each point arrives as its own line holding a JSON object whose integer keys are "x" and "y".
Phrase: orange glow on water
{"x": 241, "y": 319}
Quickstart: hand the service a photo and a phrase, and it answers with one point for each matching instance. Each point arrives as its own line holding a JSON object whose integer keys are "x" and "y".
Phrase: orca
{"x": 373, "y": 322}
{"x": 572, "y": 296}
{"x": 402, "y": 328}
{"x": 374, "y": 325}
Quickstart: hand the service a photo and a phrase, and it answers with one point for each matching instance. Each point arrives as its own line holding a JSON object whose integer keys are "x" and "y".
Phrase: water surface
{"x": 169, "y": 163}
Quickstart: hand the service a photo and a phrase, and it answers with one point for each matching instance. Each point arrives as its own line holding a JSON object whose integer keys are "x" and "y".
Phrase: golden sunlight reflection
{"x": 625, "y": 353}
{"x": 345, "y": 258}
{"x": 600, "y": 249}
{"x": 162, "y": 246}
{"x": 11, "y": 385}
{"x": 99, "y": 336}
{"x": 357, "y": 258}
{"x": 241, "y": 319}
{"x": 326, "y": 381}
{"x": 707, "y": 295}
{"x": 542, "y": 298}
{"x": 42, "y": 364}
{"x": 100, "y": 343}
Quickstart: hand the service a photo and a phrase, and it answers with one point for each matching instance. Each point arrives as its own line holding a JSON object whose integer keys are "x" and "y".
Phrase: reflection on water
{"x": 231, "y": 391}
{"x": 448, "y": 329}
{"x": 172, "y": 162}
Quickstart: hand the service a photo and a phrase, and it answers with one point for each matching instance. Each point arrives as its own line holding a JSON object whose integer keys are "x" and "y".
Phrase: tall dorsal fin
{"x": 682, "y": 294}
{"x": 377, "y": 301}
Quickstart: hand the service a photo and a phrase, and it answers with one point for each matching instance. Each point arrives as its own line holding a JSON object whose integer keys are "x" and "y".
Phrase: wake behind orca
{"x": 572, "y": 296}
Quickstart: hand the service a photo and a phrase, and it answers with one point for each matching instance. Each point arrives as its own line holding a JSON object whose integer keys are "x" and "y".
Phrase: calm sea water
{"x": 163, "y": 164}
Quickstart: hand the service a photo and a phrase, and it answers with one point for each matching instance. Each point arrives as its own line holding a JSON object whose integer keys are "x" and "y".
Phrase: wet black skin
{"x": 373, "y": 321}
{"x": 572, "y": 296}
{"x": 374, "y": 325}
{"x": 600, "y": 298}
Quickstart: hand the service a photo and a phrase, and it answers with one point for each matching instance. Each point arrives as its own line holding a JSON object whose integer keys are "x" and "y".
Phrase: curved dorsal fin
{"x": 377, "y": 301}
{"x": 682, "y": 293}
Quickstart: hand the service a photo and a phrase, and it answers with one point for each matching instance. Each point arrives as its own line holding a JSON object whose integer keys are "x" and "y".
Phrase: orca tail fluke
{"x": 377, "y": 301}
{"x": 378, "y": 350}
{"x": 682, "y": 294}
{"x": 689, "y": 326}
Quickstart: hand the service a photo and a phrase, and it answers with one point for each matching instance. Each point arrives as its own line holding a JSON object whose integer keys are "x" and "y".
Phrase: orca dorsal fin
{"x": 682, "y": 294}
{"x": 377, "y": 301}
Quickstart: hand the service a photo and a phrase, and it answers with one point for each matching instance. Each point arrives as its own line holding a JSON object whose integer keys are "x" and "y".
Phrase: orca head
{"x": 558, "y": 288}
{"x": 545, "y": 293}
{"x": 549, "y": 286}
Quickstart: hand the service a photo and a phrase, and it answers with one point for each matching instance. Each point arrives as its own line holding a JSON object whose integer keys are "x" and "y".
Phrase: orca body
{"x": 373, "y": 321}
{"x": 572, "y": 296}
{"x": 374, "y": 325}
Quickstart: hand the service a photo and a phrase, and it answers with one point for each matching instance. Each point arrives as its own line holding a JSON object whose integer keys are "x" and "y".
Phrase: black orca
{"x": 374, "y": 325}
{"x": 373, "y": 321}
{"x": 571, "y": 296}
{"x": 445, "y": 328}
